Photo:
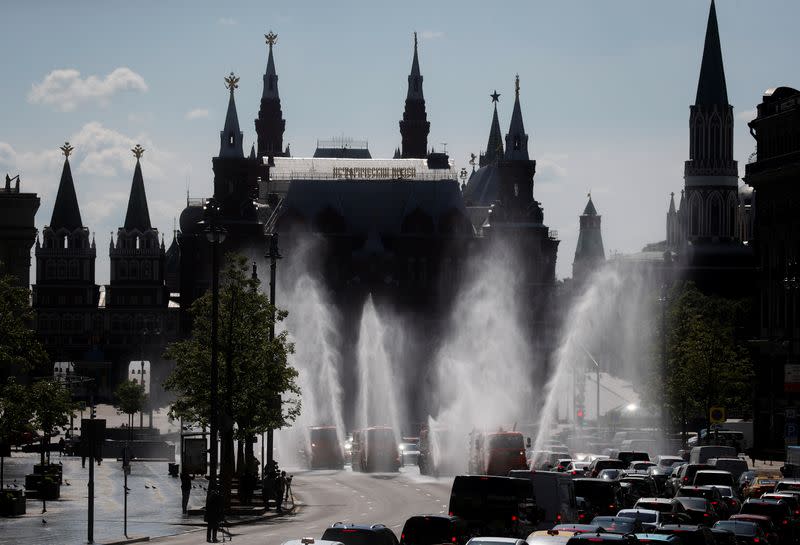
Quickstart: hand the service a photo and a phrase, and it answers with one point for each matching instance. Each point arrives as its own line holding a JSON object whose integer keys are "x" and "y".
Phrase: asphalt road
{"x": 333, "y": 496}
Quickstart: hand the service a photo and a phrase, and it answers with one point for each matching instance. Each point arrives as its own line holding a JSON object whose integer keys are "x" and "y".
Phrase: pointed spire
{"x": 711, "y": 88}
{"x": 252, "y": 151}
{"x": 494, "y": 147}
{"x": 231, "y": 138}
{"x": 66, "y": 212}
{"x": 516, "y": 139}
{"x": 271, "y": 76}
{"x": 138, "y": 215}
{"x": 671, "y": 203}
{"x": 415, "y": 77}
{"x": 590, "y": 210}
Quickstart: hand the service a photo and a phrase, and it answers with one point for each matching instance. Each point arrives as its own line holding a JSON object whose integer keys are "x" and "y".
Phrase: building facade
{"x": 17, "y": 230}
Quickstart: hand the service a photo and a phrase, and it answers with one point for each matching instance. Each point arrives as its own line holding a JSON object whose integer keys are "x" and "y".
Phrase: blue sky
{"x": 605, "y": 91}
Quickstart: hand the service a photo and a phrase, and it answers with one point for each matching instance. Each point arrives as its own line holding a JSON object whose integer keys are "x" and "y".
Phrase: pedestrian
{"x": 213, "y": 514}
{"x": 186, "y": 488}
{"x": 267, "y": 487}
{"x": 61, "y": 444}
{"x": 83, "y": 447}
{"x": 280, "y": 487}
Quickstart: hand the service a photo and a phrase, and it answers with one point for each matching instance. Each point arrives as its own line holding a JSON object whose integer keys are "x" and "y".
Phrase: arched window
{"x": 715, "y": 215}
{"x": 694, "y": 215}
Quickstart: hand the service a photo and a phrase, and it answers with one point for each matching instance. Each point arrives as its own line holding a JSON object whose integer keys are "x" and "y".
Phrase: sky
{"x": 605, "y": 92}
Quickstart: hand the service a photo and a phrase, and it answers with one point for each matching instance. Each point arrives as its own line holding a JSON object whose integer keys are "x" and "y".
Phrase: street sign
{"x": 193, "y": 458}
{"x": 717, "y": 415}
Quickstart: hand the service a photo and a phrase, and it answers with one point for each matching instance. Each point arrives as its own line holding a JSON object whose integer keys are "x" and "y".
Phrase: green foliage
{"x": 51, "y": 405}
{"x": 130, "y": 397}
{"x": 15, "y": 413}
{"x": 19, "y": 347}
{"x": 260, "y": 366}
{"x": 707, "y": 364}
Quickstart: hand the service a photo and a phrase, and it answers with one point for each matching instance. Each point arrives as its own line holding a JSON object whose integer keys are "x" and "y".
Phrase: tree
{"x": 260, "y": 368}
{"x": 130, "y": 399}
{"x": 20, "y": 350}
{"x": 51, "y": 406}
{"x": 707, "y": 363}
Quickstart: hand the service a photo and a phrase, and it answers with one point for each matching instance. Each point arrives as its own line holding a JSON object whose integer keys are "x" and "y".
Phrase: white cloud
{"x": 65, "y": 90}
{"x": 197, "y": 113}
{"x": 550, "y": 167}
{"x": 432, "y": 34}
{"x": 747, "y": 115}
{"x": 227, "y": 21}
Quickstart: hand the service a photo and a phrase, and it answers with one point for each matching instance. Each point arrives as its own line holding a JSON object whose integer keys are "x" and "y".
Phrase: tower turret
{"x": 231, "y": 143}
{"x": 516, "y": 139}
{"x": 414, "y": 127}
{"x": 494, "y": 147}
{"x": 270, "y": 124}
{"x": 589, "y": 252}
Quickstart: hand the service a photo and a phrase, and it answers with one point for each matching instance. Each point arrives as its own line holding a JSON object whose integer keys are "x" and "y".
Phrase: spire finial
{"x": 232, "y": 82}
{"x": 495, "y": 97}
{"x": 138, "y": 151}
{"x": 589, "y": 194}
{"x": 66, "y": 149}
{"x": 415, "y": 41}
{"x": 672, "y": 193}
{"x": 271, "y": 38}
{"x": 516, "y": 86}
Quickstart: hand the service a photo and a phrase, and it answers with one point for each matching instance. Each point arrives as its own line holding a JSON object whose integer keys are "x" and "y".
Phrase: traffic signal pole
{"x": 90, "y": 521}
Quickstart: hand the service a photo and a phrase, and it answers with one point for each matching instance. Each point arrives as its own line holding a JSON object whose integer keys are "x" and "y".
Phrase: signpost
{"x": 93, "y": 431}
{"x": 716, "y": 415}
{"x": 126, "y": 469}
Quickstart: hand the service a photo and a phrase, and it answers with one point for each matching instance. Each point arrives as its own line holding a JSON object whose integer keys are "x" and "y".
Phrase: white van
{"x": 554, "y": 493}
{"x": 700, "y": 455}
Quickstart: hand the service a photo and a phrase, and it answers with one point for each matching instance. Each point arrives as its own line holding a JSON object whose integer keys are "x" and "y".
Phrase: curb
{"x": 129, "y": 540}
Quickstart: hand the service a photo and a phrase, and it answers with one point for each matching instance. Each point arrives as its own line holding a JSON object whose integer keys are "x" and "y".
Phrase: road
{"x": 341, "y": 496}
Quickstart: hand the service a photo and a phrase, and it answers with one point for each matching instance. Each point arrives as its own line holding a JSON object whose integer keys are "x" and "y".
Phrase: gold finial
{"x": 271, "y": 38}
{"x": 138, "y": 151}
{"x": 66, "y": 149}
{"x": 232, "y": 82}
{"x": 516, "y": 86}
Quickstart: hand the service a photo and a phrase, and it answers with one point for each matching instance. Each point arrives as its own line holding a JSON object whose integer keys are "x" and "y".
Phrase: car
{"x": 690, "y": 534}
{"x": 562, "y": 464}
{"x": 434, "y": 529}
{"x": 618, "y": 525}
{"x": 700, "y": 510}
{"x": 662, "y": 505}
{"x": 713, "y": 477}
{"x": 648, "y": 517}
{"x": 666, "y": 461}
{"x": 723, "y": 536}
{"x": 576, "y": 528}
{"x": 637, "y": 486}
{"x": 787, "y": 485}
{"x": 760, "y": 484}
{"x": 577, "y": 469}
{"x": 604, "y": 497}
{"x": 629, "y": 456}
{"x": 745, "y": 531}
{"x": 779, "y": 513}
{"x": 731, "y": 498}
{"x": 555, "y": 497}
{"x": 659, "y": 475}
{"x": 409, "y": 453}
{"x": 360, "y": 534}
{"x": 792, "y": 499}
{"x": 736, "y": 466}
{"x": 495, "y": 506}
{"x": 764, "y": 522}
{"x": 685, "y": 475}
{"x": 711, "y": 493}
{"x": 700, "y": 455}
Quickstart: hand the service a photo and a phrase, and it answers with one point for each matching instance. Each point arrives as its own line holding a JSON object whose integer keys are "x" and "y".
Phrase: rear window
{"x": 661, "y": 507}
{"x": 595, "y": 491}
{"x": 740, "y": 528}
{"x": 787, "y": 486}
{"x": 426, "y": 531}
{"x": 356, "y": 536}
{"x": 776, "y": 511}
{"x": 610, "y": 464}
{"x": 616, "y": 525}
{"x": 693, "y": 503}
{"x": 703, "y": 479}
{"x": 642, "y": 516}
{"x": 506, "y": 440}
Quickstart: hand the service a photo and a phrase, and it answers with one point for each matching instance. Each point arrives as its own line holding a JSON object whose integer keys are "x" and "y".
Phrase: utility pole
{"x": 273, "y": 256}
{"x": 126, "y": 469}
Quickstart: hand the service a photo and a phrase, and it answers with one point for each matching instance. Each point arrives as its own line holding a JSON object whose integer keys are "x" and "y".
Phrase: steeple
{"x": 415, "y": 77}
{"x": 671, "y": 204}
{"x": 138, "y": 215}
{"x": 414, "y": 127}
{"x": 516, "y": 139}
{"x": 231, "y": 138}
{"x": 66, "y": 213}
{"x": 711, "y": 88}
{"x": 590, "y": 210}
{"x": 270, "y": 124}
{"x": 494, "y": 147}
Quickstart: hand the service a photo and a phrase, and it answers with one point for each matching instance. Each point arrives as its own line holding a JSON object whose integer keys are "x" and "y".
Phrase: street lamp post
{"x": 215, "y": 235}
{"x": 274, "y": 255}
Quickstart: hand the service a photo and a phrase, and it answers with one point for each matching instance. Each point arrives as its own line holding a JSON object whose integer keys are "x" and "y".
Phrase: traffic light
{"x": 579, "y": 416}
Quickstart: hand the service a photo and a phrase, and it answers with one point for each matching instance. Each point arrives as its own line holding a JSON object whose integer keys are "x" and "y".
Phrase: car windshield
{"x": 740, "y": 528}
{"x": 693, "y": 503}
{"x": 642, "y": 516}
{"x": 426, "y": 531}
{"x": 616, "y": 525}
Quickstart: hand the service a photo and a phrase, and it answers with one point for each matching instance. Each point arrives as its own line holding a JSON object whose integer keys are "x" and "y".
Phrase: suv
{"x": 684, "y": 476}
{"x": 609, "y": 463}
{"x": 690, "y": 534}
{"x": 711, "y": 478}
{"x": 710, "y": 493}
{"x": 360, "y": 534}
{"x": 432, "y": 529}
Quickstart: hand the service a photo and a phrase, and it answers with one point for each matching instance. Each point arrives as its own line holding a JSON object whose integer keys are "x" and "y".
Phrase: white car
{"x": 648, "y": 517}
